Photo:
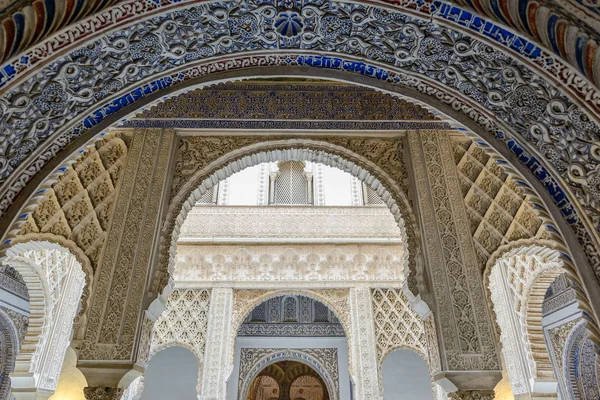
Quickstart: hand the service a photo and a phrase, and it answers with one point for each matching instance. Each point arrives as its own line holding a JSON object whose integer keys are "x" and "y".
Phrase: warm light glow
{"x": 503, "y": 391}
{"x": 71, "y": 381}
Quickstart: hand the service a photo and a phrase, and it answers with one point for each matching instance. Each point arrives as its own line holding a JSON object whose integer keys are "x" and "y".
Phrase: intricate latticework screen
{"x": 184, "y": 322}
{"x": 396, "y": 324}
{"x": 291, "y": 185}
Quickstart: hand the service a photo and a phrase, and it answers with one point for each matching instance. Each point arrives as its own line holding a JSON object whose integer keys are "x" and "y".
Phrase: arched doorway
{"x": 288, "y": 337}
{"x": 288, "y": 380}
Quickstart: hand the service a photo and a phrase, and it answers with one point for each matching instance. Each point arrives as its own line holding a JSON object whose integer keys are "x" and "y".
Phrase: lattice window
{"x": 396, "y": 324}
{"x": 321, "y": 312}
{"x": 291, "y": 185}
{"x": 259, "y": 314}
{"x": 184, "y": 322}
{"x": 208, "y": 197}
{"x": 290, "y": 310}
{"x": 370, "y": 197}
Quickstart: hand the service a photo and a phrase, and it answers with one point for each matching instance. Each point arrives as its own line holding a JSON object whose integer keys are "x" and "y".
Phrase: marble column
{"x": 364, "y": 352}
{"x": 217, "y": 355}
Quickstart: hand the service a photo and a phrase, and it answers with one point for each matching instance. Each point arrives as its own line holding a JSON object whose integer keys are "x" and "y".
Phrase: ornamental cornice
{"x": 297, "y": 266}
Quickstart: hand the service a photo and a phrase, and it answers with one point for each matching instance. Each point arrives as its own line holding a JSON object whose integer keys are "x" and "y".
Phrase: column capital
{"x": 473, "y": 395}
{"x": 102, "y": 393}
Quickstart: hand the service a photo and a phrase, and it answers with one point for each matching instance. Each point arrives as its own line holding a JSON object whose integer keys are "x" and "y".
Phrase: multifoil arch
{"x": 55, "y": 280}
{"x": 518, "y": 276}
{"x": 289, "y": 355}
{"x": 329, "y": 154}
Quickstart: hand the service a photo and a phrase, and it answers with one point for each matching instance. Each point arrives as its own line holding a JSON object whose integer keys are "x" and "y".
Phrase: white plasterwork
{"x": 217, "y": 360}
{"x": 292, "y": 223}
{"x": 300, "y": 265}
{"x": 516, "y": 280}
{"x": 62, "y": 280}
{"x": 364, "y": 364}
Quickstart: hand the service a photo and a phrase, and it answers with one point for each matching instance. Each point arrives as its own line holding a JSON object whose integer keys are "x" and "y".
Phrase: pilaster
{"x": 217, "y": 356}
{"x": 364, "y": 352}
{"x": 114, "y": 317}
{"x": 470, "y": 360}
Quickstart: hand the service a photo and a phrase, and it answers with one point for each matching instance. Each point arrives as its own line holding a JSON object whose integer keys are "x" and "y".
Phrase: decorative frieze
{"x": 294, "y": 223}
{"x": 297, "y": 265}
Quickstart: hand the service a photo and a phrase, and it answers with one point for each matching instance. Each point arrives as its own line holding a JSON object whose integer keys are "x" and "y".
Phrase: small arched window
{"x": 292, "y": 185}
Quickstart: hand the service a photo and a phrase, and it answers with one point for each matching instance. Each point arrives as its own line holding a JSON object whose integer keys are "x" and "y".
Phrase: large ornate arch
{"x": 55, "y": 280}
{"x": 215, "y": 169}
{"x": 519, "y": 275}
{"x": 548, "y": 106}
{"x": 568, "y": 30}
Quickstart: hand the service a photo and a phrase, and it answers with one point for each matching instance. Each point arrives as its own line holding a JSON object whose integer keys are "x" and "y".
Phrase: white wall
{"x": 406, "y": 377}
{"x": 171, "y": 374}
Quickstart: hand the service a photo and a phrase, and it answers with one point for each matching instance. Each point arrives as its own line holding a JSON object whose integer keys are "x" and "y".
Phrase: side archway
{"x": 55, "y": 280}
{"x": 519, "y": 276}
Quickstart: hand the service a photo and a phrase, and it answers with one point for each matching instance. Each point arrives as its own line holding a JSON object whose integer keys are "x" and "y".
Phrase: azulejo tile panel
{"x": 525, "y": 111}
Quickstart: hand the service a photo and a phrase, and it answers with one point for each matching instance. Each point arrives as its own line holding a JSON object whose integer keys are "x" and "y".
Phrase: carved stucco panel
{"x": 464, "y": 320}
{"x": 217, "y": 367}
{"x": 118, "y": 297}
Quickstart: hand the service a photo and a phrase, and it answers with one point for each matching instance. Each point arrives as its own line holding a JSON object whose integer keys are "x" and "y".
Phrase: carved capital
{"x": 102, "y": 393}
{"x": 473, "y": 395}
